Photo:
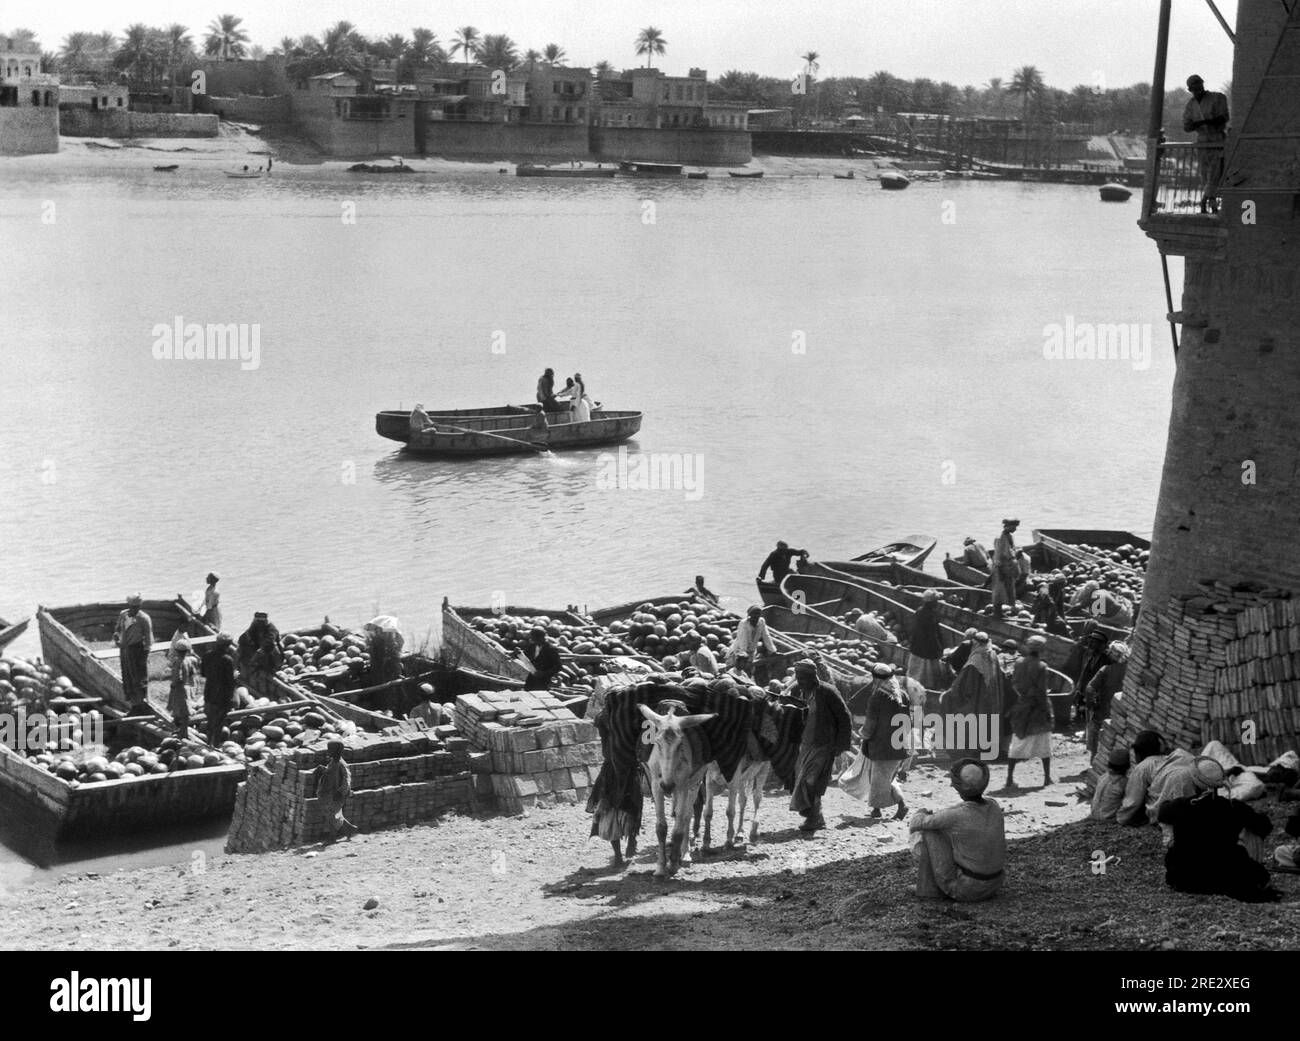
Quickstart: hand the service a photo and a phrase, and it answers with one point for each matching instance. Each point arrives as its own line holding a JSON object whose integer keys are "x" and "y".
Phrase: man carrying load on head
{"x": 133, "y": 635}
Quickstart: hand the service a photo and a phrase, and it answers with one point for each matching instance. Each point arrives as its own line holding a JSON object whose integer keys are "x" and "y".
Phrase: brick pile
{"x": 530, "y": 751}
{"x": 1220, "y": 664}
{"x": 398, "y": 778}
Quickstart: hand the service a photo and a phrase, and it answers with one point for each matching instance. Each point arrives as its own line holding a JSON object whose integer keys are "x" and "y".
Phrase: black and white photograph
{"x": 725, "y": 475}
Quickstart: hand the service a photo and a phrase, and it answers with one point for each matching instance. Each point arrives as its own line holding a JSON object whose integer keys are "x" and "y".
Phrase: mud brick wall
{"x": 551, "y": 761}
{"x": 397, "y": 779}
{"x": 1220, "y": 664}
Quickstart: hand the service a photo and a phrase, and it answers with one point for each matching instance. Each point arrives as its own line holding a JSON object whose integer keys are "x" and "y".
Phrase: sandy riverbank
{"x": 238, "y": 145}
{"x": 539, "y": 882}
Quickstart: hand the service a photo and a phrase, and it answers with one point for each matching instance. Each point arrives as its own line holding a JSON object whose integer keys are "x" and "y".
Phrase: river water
{"x": 833, "y": 364}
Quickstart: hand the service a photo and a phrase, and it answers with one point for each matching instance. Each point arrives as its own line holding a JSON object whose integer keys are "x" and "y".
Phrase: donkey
{"x": 677, "y": 767}
{"x": 746, "y": 783}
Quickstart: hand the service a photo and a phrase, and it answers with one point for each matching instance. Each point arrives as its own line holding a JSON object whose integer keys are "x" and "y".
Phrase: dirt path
{"x": 539, "y": 882}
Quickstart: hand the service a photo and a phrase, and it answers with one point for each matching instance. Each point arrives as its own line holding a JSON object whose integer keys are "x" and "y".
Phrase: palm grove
{"x": 146, "y": 57}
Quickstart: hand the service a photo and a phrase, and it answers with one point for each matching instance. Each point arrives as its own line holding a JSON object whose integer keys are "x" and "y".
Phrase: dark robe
{"x": 826, "y": 733}
{"x": 546, "y": 664}
{"x": 924, "y": 639}
{"x": 959, "y": 655}
{"x": 1206, "y": 856}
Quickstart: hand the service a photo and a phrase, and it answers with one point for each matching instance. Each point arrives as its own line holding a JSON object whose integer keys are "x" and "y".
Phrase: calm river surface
{"x": 840, "y": 364}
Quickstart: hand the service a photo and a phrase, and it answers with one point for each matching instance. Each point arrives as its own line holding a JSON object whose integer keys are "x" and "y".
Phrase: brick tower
{"x": 1216, "y": 653}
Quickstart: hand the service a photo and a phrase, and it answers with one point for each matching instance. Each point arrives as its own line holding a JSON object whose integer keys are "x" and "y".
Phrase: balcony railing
{"x": 1181, "y": 171}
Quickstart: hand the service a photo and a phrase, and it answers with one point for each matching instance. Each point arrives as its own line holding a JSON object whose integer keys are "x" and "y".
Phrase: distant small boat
{"x": 530, "y": 170}
{"x": 748, "y": 175}
{"x": 245, "y": 174}
{"x": 698, "y": 175}
{"x": 893, "y": 181}
{"x": 1114, "y": 192}
{"x": 844, "y": 176}
{"x": 169, "y": 168}
{"x": 910, "y": 550}
{"x": 636, "y": 168}
{"x": 380, "y": 168}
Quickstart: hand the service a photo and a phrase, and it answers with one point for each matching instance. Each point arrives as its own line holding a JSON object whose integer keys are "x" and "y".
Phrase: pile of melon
{"x": 659, "y": 630}
{"x": 861, "y": 654}
{"x": 30, "y": 684}
{"x": 251, "y": 737}
{"x": 171, "y": 756}
{"x": 511, "y": 632}
{"x": 347, "y": 652}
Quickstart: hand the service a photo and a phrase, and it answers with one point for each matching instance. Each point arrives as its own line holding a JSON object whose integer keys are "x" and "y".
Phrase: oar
{"x": 486, "y": 433}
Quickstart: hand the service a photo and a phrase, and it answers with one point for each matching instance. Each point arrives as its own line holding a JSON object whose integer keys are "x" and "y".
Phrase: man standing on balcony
{"x": 1207, "y": 114}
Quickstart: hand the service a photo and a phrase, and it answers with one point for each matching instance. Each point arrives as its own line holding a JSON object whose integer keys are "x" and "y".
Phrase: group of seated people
{"x": 1213, "y": 844}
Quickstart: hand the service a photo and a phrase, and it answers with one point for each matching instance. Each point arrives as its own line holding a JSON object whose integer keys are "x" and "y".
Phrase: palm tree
{"x": 287, "y": 46}
{"x": 497, "y": 51}
{"x": 180, "y": 45}
{"x": 75, "y": 50}
{"x": 1026, "y": 81}
{"x": 554, "y": 54}
{"x": 604, "y": 68}
{"x": 103, "y": 45}
{"x": 225, "y": 38}
{"x": 466, "y": 40}
{"x": 650, "y": 42}
{"x": 531, "y": 58}
{"x": 810, "y": 66}
{"x": 142, "y": 55}
{"x": 394, "y": 47}
{"x": 424, "y": 47}
{"x": 343, "y": 47}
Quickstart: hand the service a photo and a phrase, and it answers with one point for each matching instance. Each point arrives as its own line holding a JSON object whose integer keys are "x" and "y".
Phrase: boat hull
{"x": 480, "y": 436}
{"x": 910, "y": 551}
{"x": 10, "y": 632}
{"x": 548, "y": 171}
{"x": 1056, "y": 547}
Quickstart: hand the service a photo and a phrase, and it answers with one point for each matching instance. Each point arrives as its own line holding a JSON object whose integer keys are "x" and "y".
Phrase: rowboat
{"x": 636, "y": 168}
{"x": 1113, "y": 192}
{"x": 168, "y": 168}
{"x": 511, "y": 434}
{"x": 380, "y": 168}
{"x": 10, "y": 631}
{"x": 1056, "y": 547}
{"x": 244, "y": 175}
{"x": 698, "y": 175}
{"x": 748, "y": 175}
{"x": 844, "y": 176}
{"x": 964, "y": 574}
{"x": 881, "y": 570}
{"x": 894, "y": 181}
{"x": 910, "y": 550}
{"x": 833, "y": 595}
{"x": 529, "y": 170}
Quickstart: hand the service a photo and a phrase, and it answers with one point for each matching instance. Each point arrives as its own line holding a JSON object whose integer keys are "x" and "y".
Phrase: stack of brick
{"x": 1221, "y": 664}
{"x": 531, "y": 751}
{"x": 397, "y": 779}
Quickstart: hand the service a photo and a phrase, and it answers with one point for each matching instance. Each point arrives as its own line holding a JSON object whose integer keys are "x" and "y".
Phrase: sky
{"x": 1106, "y": 42}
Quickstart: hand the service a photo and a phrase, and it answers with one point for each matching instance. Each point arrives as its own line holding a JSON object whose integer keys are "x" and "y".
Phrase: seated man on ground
{"x": 1206, "y": 855}
{"x": 960, "y": 850}
{"x": 1109, "y": 794}
{"x": 1148, "y": 757}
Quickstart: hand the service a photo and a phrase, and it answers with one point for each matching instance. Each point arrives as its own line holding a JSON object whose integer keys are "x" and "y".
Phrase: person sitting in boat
{"x": 581, "y": 403}
{"x": 429, "y": 710}
{"x": 974, "y": 555}
{"x": 752, "y": 641}
{"x": 869, "y": 626}
{"x": 544, "y": 659}
{"x": 701, "y": 590}
{"x": 546, "y": 391}
{"x": 421, "y": 422}
{"x": 778, "y": 562}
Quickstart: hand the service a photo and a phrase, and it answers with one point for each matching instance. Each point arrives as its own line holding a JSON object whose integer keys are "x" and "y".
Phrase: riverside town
{"x": 363, "y": 589}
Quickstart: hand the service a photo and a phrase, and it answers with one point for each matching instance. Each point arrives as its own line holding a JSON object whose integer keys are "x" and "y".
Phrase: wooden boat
{"x": 698, "y": 175}
{"x": 889, "y": 571}
{"x": 636, "y": 168}
{"x": 10, "y": 631}
{"x": 168, "y": 168}
{"x": 964, "y": 574}
{"x": 844, "y": 176}
{"x": 245, "y": 175}
{"x": 380, "y": 168}
{"x": 835, "y": 595}
{"x": 1113, "y": 192}
{"x": 529, "y": 170}
{"x": 396, "y": 424}
{"x": 910, "y": 550}
{"x": 50, "y": 809}
{"x": 748, "y": 175}
{"x": 1056, "y": 547}
{"x": 476, "y": 436}
{"x": 894, "y": 181}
